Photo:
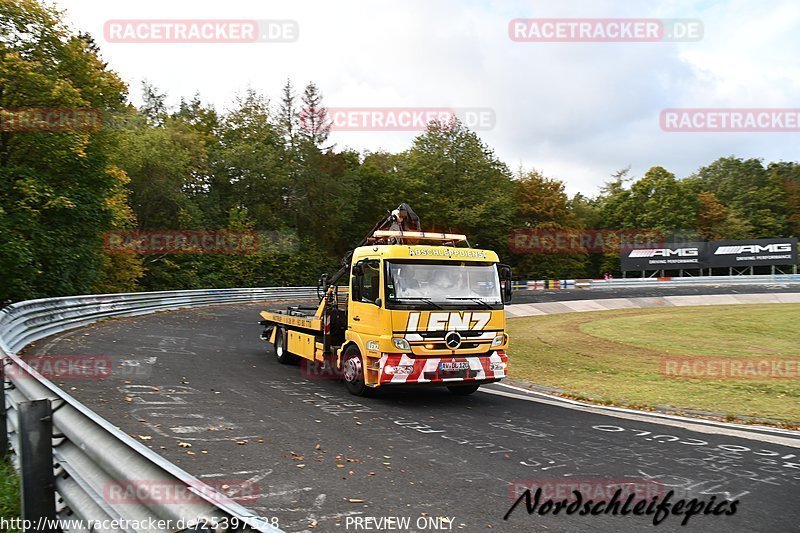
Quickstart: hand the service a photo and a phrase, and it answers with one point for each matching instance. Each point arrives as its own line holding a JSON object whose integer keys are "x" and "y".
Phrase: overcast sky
{"x": 576, "y": 111}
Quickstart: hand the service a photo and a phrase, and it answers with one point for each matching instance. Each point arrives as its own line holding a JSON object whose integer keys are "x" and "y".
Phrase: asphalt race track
{"x": 294, "y": 445}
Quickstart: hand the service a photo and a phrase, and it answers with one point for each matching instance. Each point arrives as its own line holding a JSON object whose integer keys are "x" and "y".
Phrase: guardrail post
{"x": 3, "y": 424}
{"x": 37, "y": 482}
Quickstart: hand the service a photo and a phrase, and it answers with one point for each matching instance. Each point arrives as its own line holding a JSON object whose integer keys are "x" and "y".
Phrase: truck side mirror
{"x": 505, "y": 282}
{"x": 358, "y": 278}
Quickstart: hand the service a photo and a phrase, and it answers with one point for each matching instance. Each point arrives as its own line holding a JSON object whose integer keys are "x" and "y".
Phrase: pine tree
{"x": 288, "y": 116}
{"x": 314, "y": 117}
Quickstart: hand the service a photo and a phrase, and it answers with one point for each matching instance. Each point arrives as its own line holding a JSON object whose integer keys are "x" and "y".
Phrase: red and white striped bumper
{"x": 400, "y": 368}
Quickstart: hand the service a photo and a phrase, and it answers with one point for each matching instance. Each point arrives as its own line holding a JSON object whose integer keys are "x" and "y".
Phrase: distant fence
{"x": 556, "y": 284}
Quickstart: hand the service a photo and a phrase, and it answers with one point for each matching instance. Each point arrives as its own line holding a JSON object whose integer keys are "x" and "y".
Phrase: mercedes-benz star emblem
{"x": 453, "y": 340}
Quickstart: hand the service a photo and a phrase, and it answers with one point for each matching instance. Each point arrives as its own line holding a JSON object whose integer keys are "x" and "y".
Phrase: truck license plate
{"x": 453, "y": 366}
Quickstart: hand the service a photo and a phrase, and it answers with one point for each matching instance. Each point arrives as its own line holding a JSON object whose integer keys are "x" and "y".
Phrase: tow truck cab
{"x": 426, "y": 314}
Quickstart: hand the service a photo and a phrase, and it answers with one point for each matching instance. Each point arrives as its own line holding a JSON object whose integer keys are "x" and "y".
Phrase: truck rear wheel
{"x": 281, "y": 353}
{"x": 463, "y": 390}
{"x": 353, "y": 372}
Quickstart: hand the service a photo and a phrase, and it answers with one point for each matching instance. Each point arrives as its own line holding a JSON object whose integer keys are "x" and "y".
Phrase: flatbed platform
{"x": 296, "y": 310}
{"x": 300, "y": 317}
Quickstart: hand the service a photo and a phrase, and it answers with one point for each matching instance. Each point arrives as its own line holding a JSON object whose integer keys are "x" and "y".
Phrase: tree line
{"x": 267, "y": 165}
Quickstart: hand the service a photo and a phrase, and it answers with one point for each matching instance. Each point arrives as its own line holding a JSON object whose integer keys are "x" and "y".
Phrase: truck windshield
{"x": 439, "y": 284}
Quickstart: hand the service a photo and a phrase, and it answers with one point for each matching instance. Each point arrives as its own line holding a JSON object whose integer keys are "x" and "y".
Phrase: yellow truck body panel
{"x": 449, "y": 344}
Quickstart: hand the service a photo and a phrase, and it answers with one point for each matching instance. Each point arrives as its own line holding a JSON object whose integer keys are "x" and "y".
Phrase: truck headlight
{"x": 401, "y": 344}
{"x": 498, "y": 340}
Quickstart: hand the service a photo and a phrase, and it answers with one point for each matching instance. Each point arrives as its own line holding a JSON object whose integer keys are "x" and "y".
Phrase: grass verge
{"x": 615, "y": 357}
{"x": 9, "y": 492}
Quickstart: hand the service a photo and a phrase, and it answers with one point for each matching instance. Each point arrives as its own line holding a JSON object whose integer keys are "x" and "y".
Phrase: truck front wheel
{"x": 283, "y": 356}
{"x": 353, "y": 372}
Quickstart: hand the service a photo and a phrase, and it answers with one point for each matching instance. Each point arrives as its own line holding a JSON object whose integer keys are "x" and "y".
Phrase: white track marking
{"x": 791, "y": 438}
{"x": 58, "y": 338}
{"x": 286, "y": 492}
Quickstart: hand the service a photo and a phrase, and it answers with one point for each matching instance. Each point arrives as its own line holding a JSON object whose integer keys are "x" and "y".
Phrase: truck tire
{"x": 463, "y": 390}
{"x": 281, "y": 353}
{"x": 353, "y": 372}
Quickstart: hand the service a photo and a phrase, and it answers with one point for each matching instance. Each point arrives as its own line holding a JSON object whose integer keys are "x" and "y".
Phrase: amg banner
{"x": 665, "y": 256}
{"x": 752, "y": 253}
{"x": 716, "y": 254}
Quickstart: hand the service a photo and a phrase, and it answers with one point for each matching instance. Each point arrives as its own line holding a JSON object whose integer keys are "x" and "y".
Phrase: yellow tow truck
{"x": 418, "y": 307}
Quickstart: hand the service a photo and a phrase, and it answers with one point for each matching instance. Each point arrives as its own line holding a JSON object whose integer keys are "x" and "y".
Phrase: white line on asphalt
{"x": 200, "y": 429}
{"x": 55, "y": 340}
{"x": 792, "y": 438}
{"x": 289, "y": 491}
{"x": 240, "y": 473}
{"x": 744, "y": 427}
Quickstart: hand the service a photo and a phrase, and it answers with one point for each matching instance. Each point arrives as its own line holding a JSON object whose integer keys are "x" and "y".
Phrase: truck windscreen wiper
{"x": 478, "y": 300}
{"x": 423, "y": 299}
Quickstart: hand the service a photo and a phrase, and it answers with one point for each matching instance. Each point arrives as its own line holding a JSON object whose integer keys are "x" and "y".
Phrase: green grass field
{"x": 9, "y": 492}
{"x": 614, "y": 357}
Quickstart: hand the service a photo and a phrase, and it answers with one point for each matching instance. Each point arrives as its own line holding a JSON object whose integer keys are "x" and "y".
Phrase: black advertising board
{"x": 755, "y": 252}
{"x": 669, "y": 256}
{"x": 716, "y": 254}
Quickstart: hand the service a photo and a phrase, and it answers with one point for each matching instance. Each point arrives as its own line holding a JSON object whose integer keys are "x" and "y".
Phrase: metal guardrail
{"x": 777, "y": 279}
{"x": 89, "y": 453}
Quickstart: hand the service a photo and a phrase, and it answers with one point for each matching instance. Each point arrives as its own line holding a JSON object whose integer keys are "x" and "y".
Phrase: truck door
{"x": 366, "y": 314}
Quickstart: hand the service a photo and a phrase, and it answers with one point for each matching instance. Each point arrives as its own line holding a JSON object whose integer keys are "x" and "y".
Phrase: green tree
{"x": 457, "y": 183}
{"x": 154, "y": 108}
{"x": 251, "y": 167}
{"x": 316, "y": 126}
{"x": 542, "y": 202}
{"x": 543, "y": 206}
{"x": 586, "y": 211}
{"x": 658, "y": 201}
{"x": 120, "y": 272}
{"x": 288, "y": 116}
{"x": 377, "y": 188}
{"x": 164, "y": 163}
{"x": 711, "y": 216}
{"x": 614, "y": 200}
{"x": 58, "y": 189}
{"x": 755, "y": 195}
{"x": 788, "y": 174}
